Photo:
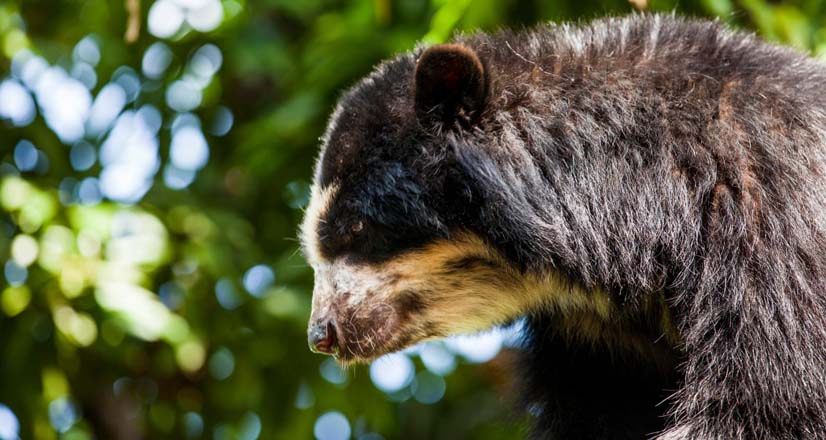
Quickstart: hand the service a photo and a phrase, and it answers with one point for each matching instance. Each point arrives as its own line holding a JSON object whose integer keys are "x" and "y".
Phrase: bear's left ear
{"x": 450, "y": 83}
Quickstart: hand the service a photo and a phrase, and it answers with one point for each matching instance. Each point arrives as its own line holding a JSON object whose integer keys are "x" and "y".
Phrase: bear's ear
{"x": 450, "y": 84}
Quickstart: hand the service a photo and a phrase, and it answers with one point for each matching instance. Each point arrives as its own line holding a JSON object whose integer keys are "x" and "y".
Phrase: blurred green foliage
{"x": 140, "y": 317}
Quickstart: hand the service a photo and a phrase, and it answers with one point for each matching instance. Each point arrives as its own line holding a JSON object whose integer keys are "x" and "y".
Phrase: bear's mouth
{"x": 358, "y": 335}
{"x": 354, "y": 353}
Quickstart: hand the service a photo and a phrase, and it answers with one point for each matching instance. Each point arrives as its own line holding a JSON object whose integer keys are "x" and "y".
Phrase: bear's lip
{"x": 348, "y": 357}
{"x": 347, "y": 352}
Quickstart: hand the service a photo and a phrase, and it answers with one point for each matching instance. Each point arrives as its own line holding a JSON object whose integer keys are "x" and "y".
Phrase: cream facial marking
{"x": 453, "y": 286}
{"x": 320, "y": 200}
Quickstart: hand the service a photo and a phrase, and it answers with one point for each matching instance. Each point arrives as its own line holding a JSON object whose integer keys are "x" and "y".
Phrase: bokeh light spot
{"x": 82, "y": 156}
{"x": 227, "y": 295}
{"x": 88, "y": 242}
{"x": 185, "y": 120}
{"x": 332, "y": 372}
{"x": 332, "y": 425}
{"x": 55, "y": 243}
{"x": 25, "y": 155}
{"x": 88, "y": 191}
{"x": 14, "y": 192}
{"x": 206, "y": 17}
{"x": 137, "y": 238}
{"x": 221, "y": 364}
{"x": 428, "y": 388}
{"x": 156, "y": 60}
{"x": 222, "y": 121}
{"x": 171, "y": 294}
{"x": 176, "y": 178}
{"x": 188, "y": 149}
{"x": 183, "y": 96}
{"x": 128, "y": 80}
{"x": 66, "y": 191}
{"x": 16, "y": 104}
{"x": 85, "y": 74}
{"x": 165, "y": 19}
{"x": 190, "y": 356}
{"x": 28, "y": 67}
{"x": 24, "y": 250}
{"x": 87, "y": 50}
{"x": 15, "y": 299}
{"x": 437, "y": 358}
{"x": 140, "y": 311}
{"x": 258, "y": 279}
{"x": 190, "y": 4}
{"x": 193, "y": 425}
{"x": 55, "y": 383}
{"x": 64, "y": 103}
{"x": 304, "y": 397}
{"x": 477, "y": 348}
{"x": 206, "y": 61}
{"x": 107, "y": 106}
{"x": 151, "y": 118}
{"x": 250, "y": 427}
{"x": 62, "y": 414}
{"x": 15, "y": 274}
{"x": 130, "y": 159}
{"x": 391, "y": 372}
{"x": 121, "y": 386}
{"x": 9, "y": 425}
{"x": 79, "y": 328}
{"x": 14, "y": 40}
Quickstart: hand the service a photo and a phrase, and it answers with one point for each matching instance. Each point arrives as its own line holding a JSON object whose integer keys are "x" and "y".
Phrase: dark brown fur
{"x": 649, "y": 157}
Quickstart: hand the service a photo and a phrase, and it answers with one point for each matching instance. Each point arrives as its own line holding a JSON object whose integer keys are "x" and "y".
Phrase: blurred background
{"x": 155, "y": 157}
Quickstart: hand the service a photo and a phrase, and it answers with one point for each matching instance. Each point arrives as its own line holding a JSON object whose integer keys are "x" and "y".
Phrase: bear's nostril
{"x": 322, "y": 337}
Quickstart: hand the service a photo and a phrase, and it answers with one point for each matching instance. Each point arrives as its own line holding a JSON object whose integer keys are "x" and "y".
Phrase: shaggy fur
{"x": 672, "y": 164}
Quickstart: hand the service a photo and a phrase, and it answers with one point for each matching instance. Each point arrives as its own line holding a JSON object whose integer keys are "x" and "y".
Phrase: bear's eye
{"x": 357, "y": 227}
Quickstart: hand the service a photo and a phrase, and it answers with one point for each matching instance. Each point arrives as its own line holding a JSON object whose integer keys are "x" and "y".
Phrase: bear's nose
{"x": 322, "y": 336}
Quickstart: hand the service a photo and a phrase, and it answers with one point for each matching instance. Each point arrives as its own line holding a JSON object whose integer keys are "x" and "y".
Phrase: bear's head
{"x": 391, "y": 230}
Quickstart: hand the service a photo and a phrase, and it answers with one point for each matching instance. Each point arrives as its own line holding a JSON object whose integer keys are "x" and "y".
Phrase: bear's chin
{"x": 367, "y": 343}
{"x": 346, "y": 356}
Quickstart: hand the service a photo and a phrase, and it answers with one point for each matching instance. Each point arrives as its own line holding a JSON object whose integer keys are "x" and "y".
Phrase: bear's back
{"x": 714, "y": 114}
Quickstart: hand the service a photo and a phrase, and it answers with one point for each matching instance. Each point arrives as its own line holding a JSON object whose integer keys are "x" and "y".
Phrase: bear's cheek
{"x": 447, "y": 287}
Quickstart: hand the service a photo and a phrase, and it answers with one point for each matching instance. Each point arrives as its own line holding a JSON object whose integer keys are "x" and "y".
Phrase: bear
{"x": 647, "y": 192}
